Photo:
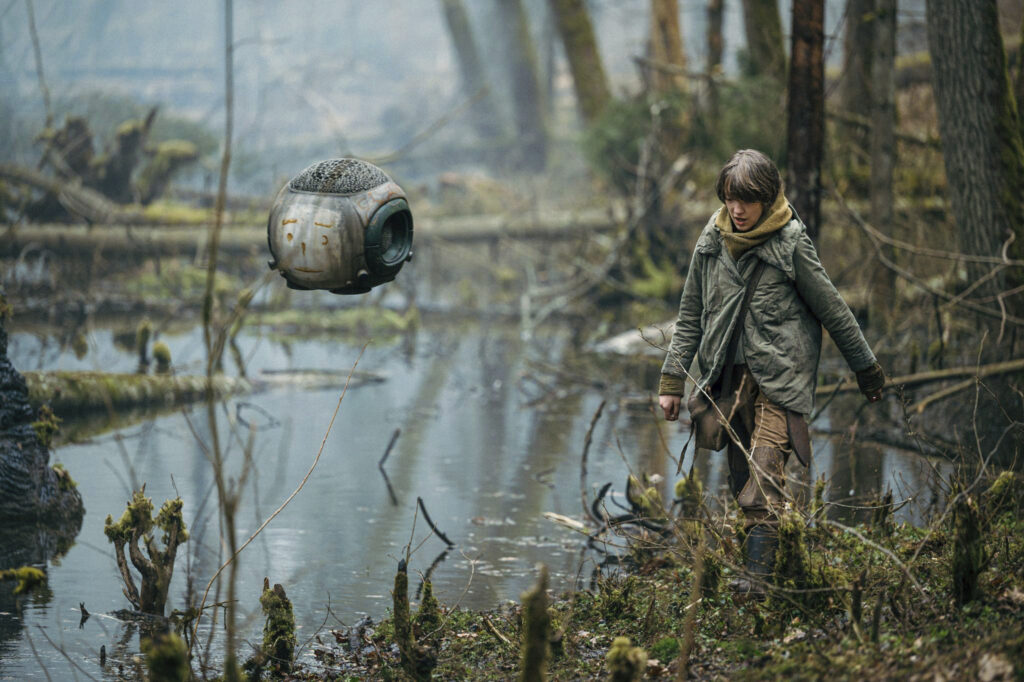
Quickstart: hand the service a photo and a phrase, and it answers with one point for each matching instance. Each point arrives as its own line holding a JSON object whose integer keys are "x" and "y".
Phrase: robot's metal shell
{"x": 346, "y": 243}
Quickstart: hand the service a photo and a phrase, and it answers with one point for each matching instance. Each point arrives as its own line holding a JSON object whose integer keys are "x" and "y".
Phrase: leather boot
{"x": 762, "y": 541}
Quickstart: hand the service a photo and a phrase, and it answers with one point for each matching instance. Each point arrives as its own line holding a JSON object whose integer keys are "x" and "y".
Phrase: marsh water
{"x": 492, "y": 430}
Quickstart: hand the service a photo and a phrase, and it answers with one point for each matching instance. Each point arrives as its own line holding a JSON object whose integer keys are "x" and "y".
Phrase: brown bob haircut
{"x": 749, "y": 176}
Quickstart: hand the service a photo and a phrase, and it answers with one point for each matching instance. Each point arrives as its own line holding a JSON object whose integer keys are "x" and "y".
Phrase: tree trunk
{"x": 667, "y": 46}
{"x": 855, "y": 83}
{"x": 30, "y": 489}
{"x": 979, "y": 125}
{"x": 806, "y": 112}
{"x": 716, "y": 11}
{"x": 526, "y": 93}
{"x": 588, "y": 75}
{"x": 474, "y": 84}
{"x": 765, "y": 53}
{"x": 883, "y": 147}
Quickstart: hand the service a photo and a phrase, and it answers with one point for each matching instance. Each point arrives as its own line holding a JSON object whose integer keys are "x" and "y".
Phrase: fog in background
{"x": 319, "y": 79}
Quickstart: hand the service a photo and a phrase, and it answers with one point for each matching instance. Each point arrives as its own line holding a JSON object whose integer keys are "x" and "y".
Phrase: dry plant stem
{"x": 63, "y": 653}
{"x": 496, "y": 632}
{"x": 37, "y": 53}
{"x": 583, "y": 462}
{"x": 905, "y": 274}
{"x": 895, "y": 559}
{"x": 284, "y": 504}
{"x": 35, "y": 654}
{"x": 691, "y": 615}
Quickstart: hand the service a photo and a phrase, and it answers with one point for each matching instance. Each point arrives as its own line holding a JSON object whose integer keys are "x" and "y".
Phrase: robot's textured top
{"x": 339, "y": 176}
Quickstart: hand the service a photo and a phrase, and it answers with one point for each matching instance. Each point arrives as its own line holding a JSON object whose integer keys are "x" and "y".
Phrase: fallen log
{"x": 979, "y": 371}
{"x": 73, "y": 393}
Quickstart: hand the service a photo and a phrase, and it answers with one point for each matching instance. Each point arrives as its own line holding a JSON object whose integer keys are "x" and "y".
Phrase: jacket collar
{"x": 777, "y": 251}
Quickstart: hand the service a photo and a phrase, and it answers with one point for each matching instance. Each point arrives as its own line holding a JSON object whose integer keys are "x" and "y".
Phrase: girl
{"x": 771, "y": 363}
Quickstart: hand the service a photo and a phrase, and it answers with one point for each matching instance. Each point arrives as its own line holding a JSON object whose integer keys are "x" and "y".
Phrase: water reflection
{"x": 487, "y": 457}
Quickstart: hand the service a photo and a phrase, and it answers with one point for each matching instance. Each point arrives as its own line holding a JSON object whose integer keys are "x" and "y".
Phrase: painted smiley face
{"x": 310, "y": 240}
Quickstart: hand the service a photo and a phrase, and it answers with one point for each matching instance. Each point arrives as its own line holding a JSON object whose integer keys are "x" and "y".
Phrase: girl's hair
{"x": 749, "y": 176}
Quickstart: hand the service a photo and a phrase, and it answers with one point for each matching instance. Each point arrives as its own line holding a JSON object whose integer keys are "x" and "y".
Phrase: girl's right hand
{"x": 670, "y": 405}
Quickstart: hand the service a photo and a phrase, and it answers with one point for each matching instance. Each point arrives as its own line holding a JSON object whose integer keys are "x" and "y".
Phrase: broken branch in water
{"x": 975, "y": 371}
{"x": 583, "y": 463}
{"x": 380, "y": 466}
{"x": 430, "y": 522}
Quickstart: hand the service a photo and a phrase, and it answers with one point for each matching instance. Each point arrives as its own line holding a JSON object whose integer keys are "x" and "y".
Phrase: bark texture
{"x": 716, "y": 12}
{"x": 980, "y": 128}
{"x": 485, "y": 114}
{"x": 883, "y": 146}
{"x": 667, "y": 46}
{"x": 526, "y": 93}
{"x": 855, "y": 86}
{"x": 806, "y": 112}
{"x": 765, "y": 53}
{"x": 30, "y": 489}
{"x": 588, "y": 75}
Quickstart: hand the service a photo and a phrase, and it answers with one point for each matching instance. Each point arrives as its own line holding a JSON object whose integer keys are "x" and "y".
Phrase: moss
{"x": 645, "y": 499}
{"x": 428, "y": 617}
{"x": 167, "y": 658}
{"x": 626, "y": 663}
{"x": 969, "y": 557}
{"x": 417, "y": 660}
{"x": 28, "y": 578}
{"x": 64, "y": 480}
{"x": 78, "y": 392}
{"x": 142, "y": 336}
{"x": 47, "y": 426}
{"x": 279, "y": 630}
{"x": 665, "y": 649}
{"x": 536, "y": 626}
{"x": 162, "y": 357}
{"x": 135, "y": 526}
{"x": 1006, "y": 494}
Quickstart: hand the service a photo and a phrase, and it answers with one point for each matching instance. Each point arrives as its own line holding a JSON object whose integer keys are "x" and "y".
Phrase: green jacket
{"x": 782, "y": 329}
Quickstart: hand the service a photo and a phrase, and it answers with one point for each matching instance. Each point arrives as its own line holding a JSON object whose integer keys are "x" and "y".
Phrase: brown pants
{"x": 758, "y": 483}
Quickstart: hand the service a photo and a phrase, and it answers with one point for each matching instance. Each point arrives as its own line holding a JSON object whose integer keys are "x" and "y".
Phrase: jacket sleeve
{"x": 821, "y": 296}
{"x": 687, "y": 332}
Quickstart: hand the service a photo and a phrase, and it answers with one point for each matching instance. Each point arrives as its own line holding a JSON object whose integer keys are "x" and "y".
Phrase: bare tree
{"x": 765, "y": 53}
{"x": 474, "y": 83}
{"x": 855, "y": 84}
{"x": 716, "y": 11}
{"x": 666, "y": 47}
{"x": 588, "y": 74}
{"x": 980, "y": 129}
{"x": 806, "y": 112}
{"x": 527, "y": 101}
{"x": 883, "y": 141}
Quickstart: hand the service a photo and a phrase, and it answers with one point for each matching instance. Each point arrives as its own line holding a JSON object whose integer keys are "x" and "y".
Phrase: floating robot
{"x": 341, "y": 225}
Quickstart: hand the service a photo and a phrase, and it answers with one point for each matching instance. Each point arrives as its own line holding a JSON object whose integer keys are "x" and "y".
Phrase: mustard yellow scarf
{"x": 773, "y": 220}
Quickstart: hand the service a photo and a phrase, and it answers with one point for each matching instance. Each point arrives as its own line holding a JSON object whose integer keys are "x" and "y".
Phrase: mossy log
{"x": 82, "y": 392}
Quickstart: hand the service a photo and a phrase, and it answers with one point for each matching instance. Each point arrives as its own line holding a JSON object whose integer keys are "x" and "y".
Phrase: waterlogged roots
{"x": 536, "y": 624}
{"x": 136, "y": 526}
{"x": 279, "y": 631}
{"x": 626, "y": 663}
{"x": 418, "y": 660}
{"x": 28, "y": 578}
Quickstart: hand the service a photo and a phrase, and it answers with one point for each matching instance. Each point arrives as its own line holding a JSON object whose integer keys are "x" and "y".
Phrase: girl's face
{"x": 744, "y": 214}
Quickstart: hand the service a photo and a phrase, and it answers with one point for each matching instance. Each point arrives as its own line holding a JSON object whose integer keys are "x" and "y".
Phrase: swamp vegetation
{"x": 502, "y": 375}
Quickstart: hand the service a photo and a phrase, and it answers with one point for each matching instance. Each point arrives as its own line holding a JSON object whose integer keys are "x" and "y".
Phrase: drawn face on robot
{"x": 311, "y": 240}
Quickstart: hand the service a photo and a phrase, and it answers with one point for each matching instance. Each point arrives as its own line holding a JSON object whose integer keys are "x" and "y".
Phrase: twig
{"x": 910, "y": 277}
{"x": 63, "y": 653}
{"x": 430, "y": 522}
{"x": 35, "y": 654}
{"x": 583, "y": 462}
{"x": 496, "y": 632}
{"x": 919, "y": 406}
{"x": 387, "y": 451}
{"x": 302, "y": 483}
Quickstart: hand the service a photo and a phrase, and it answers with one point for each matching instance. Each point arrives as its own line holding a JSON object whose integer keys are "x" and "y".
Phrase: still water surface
{"x": 486, "y": 454}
